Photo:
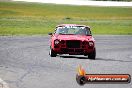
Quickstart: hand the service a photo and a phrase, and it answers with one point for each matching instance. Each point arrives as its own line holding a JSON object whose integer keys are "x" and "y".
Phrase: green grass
{"x": 18, "y": 18}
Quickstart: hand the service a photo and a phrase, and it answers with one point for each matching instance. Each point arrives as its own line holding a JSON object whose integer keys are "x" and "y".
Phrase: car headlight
{"x": 56, "y": 41}
{"x": 91, "y": 43}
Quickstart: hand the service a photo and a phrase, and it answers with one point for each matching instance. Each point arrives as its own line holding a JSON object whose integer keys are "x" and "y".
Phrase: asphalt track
{"x": 25, "y": 63}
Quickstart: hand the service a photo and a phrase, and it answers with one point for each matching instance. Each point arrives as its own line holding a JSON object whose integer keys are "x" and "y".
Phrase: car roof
{"x": 63, "y": 25}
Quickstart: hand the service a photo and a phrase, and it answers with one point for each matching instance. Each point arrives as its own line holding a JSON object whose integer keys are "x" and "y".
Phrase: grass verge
{"x": 18, "y": 18}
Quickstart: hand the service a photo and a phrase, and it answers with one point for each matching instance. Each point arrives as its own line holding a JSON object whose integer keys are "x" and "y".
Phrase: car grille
{"x": 73, "y": 44}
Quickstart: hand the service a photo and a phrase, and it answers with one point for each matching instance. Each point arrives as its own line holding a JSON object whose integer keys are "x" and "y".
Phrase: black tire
{"x": 52, "y": 53}
{"x": 92, "y": 55}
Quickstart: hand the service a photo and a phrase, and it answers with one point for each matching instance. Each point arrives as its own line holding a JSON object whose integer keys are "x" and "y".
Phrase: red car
{"x": 72, "y": 39}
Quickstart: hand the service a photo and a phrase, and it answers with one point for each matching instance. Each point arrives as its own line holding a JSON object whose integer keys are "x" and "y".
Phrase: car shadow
{"x": 102, "y": 59}
{"x": 76, "y": 57}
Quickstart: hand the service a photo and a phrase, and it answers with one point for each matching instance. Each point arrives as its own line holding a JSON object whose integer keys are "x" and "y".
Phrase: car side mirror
{"x": 49, "y": 33}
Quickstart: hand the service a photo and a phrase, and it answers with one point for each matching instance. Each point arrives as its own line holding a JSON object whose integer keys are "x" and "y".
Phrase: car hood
{"x": 74, "y": 37}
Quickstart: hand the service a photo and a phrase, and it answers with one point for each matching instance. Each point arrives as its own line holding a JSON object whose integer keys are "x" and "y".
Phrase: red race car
{"x": 72, "y": 39}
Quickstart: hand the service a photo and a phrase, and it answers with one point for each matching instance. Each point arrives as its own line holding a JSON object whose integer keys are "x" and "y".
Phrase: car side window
{"x": 58, "y": 30}
{"x": 88, "y": 32}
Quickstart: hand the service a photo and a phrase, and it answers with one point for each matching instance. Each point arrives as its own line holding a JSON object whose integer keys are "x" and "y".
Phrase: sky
{"x": 82, "y": 2}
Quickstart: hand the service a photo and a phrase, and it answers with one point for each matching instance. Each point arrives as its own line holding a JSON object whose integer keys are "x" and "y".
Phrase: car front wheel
{"x": 92, "y": 55}
{"x": 52, "y": 53}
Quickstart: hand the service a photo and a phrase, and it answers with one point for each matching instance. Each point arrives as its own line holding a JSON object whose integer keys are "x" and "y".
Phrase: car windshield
{"x": 73, "y": 30}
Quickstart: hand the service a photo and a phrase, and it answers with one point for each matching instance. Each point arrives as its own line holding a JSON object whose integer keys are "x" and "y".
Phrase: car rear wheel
{"x": 52, "y": 53}
{"x": 92, "y": 55}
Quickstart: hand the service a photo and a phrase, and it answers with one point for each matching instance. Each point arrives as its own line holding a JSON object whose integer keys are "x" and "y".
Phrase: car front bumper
{"x": 73, "y": 51}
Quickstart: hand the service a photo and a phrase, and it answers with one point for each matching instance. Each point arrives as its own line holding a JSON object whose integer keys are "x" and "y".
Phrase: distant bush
{"x": 67, "y": 18}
